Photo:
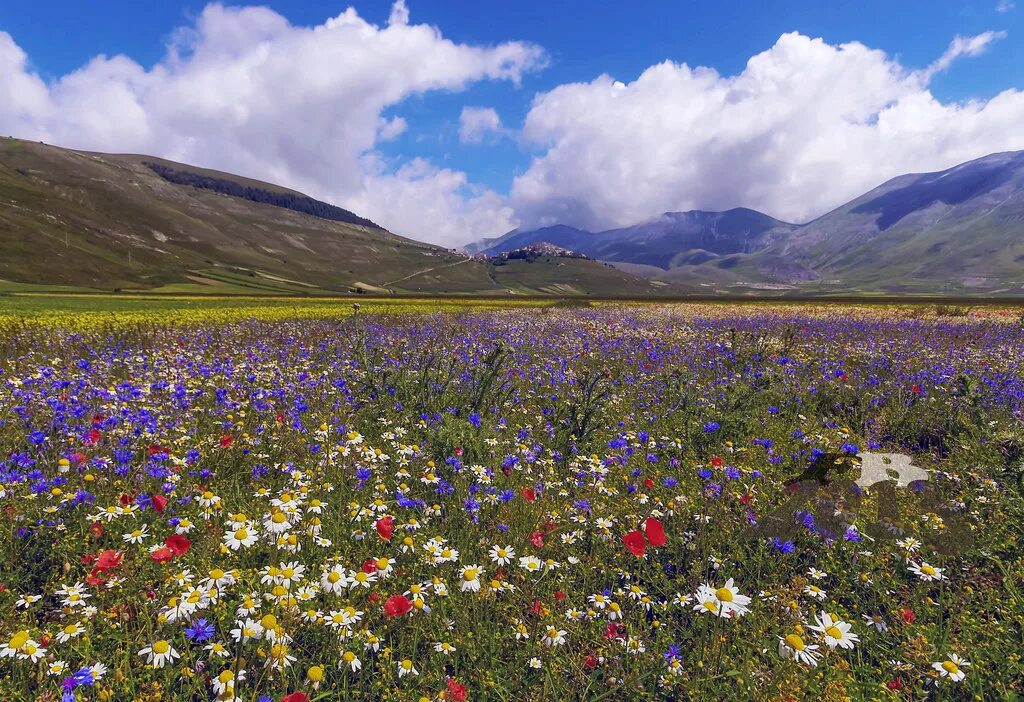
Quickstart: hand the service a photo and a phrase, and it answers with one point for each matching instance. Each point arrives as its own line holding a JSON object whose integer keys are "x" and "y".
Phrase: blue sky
{"x": 580, "y": 41}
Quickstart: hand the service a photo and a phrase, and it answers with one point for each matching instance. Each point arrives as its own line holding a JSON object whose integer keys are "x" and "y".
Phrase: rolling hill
{"x": 81, "y": 220}
{"x": 957, "y": 231}
{"x": 103, "y": 221}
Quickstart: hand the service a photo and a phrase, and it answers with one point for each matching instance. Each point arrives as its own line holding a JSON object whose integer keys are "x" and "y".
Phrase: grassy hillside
{"x": 78, "y": 220}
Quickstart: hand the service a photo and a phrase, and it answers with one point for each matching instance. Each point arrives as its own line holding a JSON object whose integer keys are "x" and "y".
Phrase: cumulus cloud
{"x": 440, "y": 204}
{"x": 803, "y": 128}
{"x": 477, "y": 123}
{"x": 243, "y": 90}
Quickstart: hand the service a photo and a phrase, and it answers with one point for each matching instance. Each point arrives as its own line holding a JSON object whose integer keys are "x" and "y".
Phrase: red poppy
{"x": 95, "y": 577}
{"x": 178, "y": 544}
{"x": 528, "y": 494}
{"x": 456, "y": 690}
{"x": 397, "y": 605}
{"x": 590, "y": 662}
{"x": 125, "y": 499}
{"x": 716, "y": 462}
{"x": 370, "y": 566}
{"x": 162, "y": 554}
{"x": 385, "y": 527}
{"x": 916, "y": 389}
{"x": 96, "y": 529}
{"x": 612, "y": 631}
{"x": 634, "y": 541}
{"x": 109, "y": 559}
{"x": 907, "y": 615}
{"x": 655, "y": 532}
{"x": 226, "y": 440}
{"x": 894, "y": 684}
{"x": 159, "y": 502}
{"x": 153, "y": 449}
{"x": 559, "y": 595}
{"x": 92, "y": 437}
{"x": 537, "y": 539}
{"x": 458, "y": 451}
{"x": 648, "y": 483}
{"x": 536, "y": 608}
{"x": 296, "y": 697}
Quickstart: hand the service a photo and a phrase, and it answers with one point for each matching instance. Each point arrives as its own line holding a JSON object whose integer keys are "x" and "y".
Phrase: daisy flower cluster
{"x": 622, "y": 502}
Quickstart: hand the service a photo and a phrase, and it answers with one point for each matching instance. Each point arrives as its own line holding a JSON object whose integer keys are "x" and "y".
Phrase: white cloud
{"x": 1005, "y": 6}
{"x": 439, "y": 204}
{"x": 243, "y": 90}
{"x": 477, "y": 123}
{"x": 803, "y": 128}
{"x": 959, "y": 47}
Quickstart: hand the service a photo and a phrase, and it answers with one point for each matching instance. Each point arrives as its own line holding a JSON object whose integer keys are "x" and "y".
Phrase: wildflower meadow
{"x": 613, "y": 502}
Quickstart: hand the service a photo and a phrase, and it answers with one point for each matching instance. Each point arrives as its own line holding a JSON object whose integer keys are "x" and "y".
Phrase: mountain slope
{"x": 955, "y": 231}
{"x": 109, "y": 221}
{"x": 106, "y": 221}
{"x": 664, "y": 242}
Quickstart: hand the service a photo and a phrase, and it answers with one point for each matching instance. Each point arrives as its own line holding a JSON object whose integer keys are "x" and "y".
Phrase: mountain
{"x": 104, "y": 221}
{"x": 957, "y": 231}
{"x": 961, "y": 229}
{"x": 558, "y": 235}
{"x": 663, "y": 242}
{"x": 85, "y": 220}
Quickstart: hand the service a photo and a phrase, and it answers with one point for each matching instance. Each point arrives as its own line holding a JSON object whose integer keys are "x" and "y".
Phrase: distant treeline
{"x": 297, "y": 203}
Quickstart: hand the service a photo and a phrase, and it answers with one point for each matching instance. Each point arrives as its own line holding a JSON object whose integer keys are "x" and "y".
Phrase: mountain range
{"x": 87, "y": 221}
{"x": 957, "y": 231}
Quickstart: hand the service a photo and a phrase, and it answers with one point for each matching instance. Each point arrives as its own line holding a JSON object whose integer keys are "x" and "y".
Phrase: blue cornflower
{"x": 781, "y": 546}
{"x": 199, "y": 630}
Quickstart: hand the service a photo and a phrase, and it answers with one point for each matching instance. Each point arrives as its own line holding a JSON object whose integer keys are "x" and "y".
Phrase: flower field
{"x": 622, "y": 502}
